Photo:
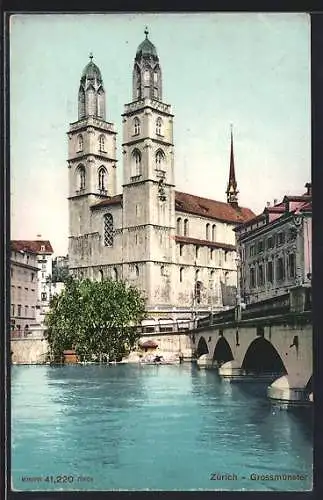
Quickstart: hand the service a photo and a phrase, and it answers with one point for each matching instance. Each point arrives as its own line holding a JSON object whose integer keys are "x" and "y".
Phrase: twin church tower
{"x": 151, "y": 236}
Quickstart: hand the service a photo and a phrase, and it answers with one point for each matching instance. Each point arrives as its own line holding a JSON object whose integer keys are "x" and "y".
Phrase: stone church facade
{"x": 178, "y": 248}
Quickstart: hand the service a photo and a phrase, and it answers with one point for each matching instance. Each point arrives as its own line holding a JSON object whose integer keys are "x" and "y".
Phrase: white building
{"x": 178, "y": 248}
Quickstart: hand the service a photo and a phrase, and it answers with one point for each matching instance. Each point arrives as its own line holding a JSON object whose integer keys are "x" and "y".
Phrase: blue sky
{"x": 251, "y": 70}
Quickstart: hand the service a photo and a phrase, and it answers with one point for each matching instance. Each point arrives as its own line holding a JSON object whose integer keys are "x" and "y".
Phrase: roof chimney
{"x": 308, "y": 186}
{"x": 268, "y": 203}
{"x": 275, "y": 201}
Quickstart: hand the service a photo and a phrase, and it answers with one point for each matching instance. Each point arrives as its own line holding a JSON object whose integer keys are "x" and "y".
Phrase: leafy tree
{"x": 94, "y": 318}
{"x": 59, "y": 274}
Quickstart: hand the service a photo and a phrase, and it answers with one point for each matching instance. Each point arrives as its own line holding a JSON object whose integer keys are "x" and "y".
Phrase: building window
{"x": 198, "y": 286}
{"x": 19, "y": 311}
{"x": 291, "y": 265}
{"x": 136, "y": 126}
{"x": 252, "y": 251}
{"x": 101, "y": 177}
{"x": 197, "y": 248}
{"x": 260, "y": 275}
{"x": 280, "y": 270}
{"x": 42, "y": 248}
{"x": 108, "y": 230}
{"x": 181, "y": 274}
{"x": 137, "y": 270}
{"x": 213, "y": 232}
{"x": 80, "y": 143}
{"x": 101, "y": 275}
{"x": 26, "y": 311}
{"x": 185, "y": 227}
{"x": 81, "y": 177}
{"x": 136, "y": 163}
{"x": 197, "y": 274}
{"x": 102, "y": 143}
{"x": 159, "y": 124}
{"x": 260, "y": 246}
{"x": 207, "y": 231}
{"x": 179, "y": 226}
{"x": 181, "y": 249}
{"x": 32, "y": 276}
{"x": 12, "y": 309}
{"x": 225, "y": 255}
{"x": 211, "y": 253}
{"x": 162, "y": 271}
{"x": 280, "y": 239}
{"x": 43, "y": 266}
{"x": 252, "y": 278}
{"x": 270, "y": 274}
{"x": 270, "y": 242}
{"x": 292, "y": 234}
{"x": 44, "y": 296}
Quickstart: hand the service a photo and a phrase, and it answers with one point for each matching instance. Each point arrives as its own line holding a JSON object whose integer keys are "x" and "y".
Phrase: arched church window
{"x": 160, "y": 160}
{"x": 136, "y": 126}
{"x": 102, "y": 178}
{"x": 213, "y": 232}
{"x": 159, "y": 125}
{"x": 136, "y": 163}
{"x": 81, "y": 177}
{"x": 100, "y": 275}
{"x": 108, "y": 230}
{"x": 102, "y": 143}
{"x": 80, "y": 143}
{"x": 207, "y": 231}
{"x": 181, "y": 274}
{"x": 179, "y": 226}
{"x": 186, "y": 227}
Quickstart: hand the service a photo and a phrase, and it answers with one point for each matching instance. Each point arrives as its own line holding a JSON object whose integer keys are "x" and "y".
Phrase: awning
{"x": 148, "y": 343}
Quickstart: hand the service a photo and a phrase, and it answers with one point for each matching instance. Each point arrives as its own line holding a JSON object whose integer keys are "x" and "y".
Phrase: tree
{"x": 94, "y": 318}
{"x": 59, "y": 274}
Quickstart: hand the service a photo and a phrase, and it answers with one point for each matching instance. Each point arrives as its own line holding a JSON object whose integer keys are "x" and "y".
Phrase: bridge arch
{"x": 222, "y": 352}
{"x": 202, "y": 347}
{"x": 262, "y": 357}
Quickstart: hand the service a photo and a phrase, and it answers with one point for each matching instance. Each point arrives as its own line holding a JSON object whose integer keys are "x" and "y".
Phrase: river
{"x": 131, "y": 427}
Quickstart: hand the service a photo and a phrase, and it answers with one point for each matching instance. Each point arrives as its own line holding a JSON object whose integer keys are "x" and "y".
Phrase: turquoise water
{"x": 132, "y": 427}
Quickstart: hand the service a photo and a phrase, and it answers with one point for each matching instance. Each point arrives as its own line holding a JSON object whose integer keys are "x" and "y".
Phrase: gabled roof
{"x": 212, "y": 209}
{"x": 196, "y": 205}
{"x": 31, "y": 246}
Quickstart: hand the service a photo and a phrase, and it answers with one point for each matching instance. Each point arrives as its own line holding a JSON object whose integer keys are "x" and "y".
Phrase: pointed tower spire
{"x": 232, "y": 192}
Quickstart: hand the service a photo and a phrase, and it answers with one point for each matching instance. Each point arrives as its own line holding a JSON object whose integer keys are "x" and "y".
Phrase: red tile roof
{"x": 211, "y": 209}
{"x": 196, "y": 205}
{"x": 31, "y": 246}
{"x": 113, "y": 200}
{"x": 212, "y": 244}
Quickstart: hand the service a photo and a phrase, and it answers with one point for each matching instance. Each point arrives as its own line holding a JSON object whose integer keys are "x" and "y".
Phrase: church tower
{"x": 91, "y": 156}
{"x": 232, "y": 191}
{"x": 148, "y": 175}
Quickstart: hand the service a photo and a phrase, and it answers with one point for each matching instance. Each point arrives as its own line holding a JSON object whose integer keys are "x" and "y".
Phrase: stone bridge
{"x": 274, "y": 342}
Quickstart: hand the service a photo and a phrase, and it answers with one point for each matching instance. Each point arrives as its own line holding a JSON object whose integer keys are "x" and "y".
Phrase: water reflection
{"x": 157, "y": 427}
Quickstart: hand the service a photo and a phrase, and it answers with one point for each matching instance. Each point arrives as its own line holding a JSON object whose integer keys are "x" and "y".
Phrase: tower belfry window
{"x": 102, "y": 178}
{"x": 81, "y": 176}
{"x": 102, "y": 143}
{"x": 159, "y": 124}
{"x": 136, "y": 163}
{"x": 136, "y": 126}
{"x": 160, "y": 160}
{"x": 80, "y": 143}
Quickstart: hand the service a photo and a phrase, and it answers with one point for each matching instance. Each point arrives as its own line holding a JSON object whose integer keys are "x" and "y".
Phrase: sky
{"x": 246, "y": 69}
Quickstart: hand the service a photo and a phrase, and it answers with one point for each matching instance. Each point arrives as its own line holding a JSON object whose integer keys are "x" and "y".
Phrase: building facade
{"x": 43, "y": 251}
{"x": 24, "y": 289}
{"x": 275, "y": 249}
{"x": 178, "y": 248}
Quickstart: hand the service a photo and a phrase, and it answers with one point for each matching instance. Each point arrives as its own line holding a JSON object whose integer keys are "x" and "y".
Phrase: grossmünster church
{"x": 178, "y": 248}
